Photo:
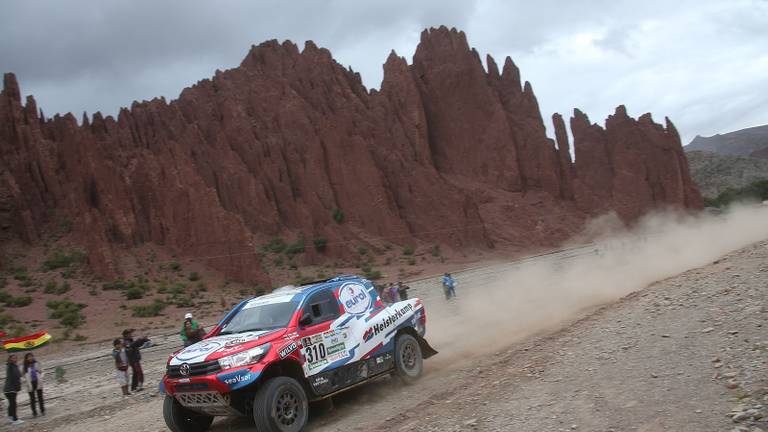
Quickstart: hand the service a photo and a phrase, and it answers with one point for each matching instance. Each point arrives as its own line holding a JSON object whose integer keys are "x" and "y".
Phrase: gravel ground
{"x": 685, "y": 354}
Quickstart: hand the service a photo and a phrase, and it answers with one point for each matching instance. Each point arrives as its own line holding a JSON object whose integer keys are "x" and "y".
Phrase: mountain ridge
{"x": 443, "y": 153}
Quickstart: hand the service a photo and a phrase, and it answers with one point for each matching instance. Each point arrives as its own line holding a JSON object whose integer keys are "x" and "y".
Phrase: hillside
{"x": 291, "y": 147}
{"x": 746, "y": 142}
{"x": 714, "y": 173}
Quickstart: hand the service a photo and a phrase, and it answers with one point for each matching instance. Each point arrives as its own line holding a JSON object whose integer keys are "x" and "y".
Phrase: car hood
{"x": 220, "y": 346}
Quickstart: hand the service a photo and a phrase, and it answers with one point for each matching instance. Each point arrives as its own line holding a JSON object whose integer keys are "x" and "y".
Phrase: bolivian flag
{"x": 27, "y": 343}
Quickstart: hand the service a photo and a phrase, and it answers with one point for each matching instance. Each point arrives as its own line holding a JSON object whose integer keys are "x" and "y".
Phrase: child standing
{"x": 121, "y": 365}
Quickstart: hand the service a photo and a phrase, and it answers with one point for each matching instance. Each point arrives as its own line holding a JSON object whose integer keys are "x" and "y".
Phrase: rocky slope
{"x": 446, "y": 152}
{"x": 714, "y": 173}
{"x": 746, "y": 142}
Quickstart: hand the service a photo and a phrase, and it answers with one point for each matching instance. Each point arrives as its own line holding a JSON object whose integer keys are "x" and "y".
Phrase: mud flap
{"x": 426, "y": 350}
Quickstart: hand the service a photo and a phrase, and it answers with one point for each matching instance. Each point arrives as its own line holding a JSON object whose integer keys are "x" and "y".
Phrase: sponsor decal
{"x": 283, "y": 297}
{"x": 320, "y": 363}
{"x": 311, "y": 340}
{"x": 338, "y": 356}
{"x": 333, "y": 349}
{"x": 288, "y": 349}
{"x": 319, "y": 380}
{"x": 236, "y": 341}
{"x": 355, "y": 298}
{"x": 198, "y": 350}
{"x": 238, "y": 379}
{"x": 387, "y": 322}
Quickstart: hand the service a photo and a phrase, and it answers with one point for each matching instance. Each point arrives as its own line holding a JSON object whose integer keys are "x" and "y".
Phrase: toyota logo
{"x": 184, "y": 369}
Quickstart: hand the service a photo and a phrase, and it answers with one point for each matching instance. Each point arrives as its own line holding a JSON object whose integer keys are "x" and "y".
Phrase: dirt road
{"x": 527, "y": 348}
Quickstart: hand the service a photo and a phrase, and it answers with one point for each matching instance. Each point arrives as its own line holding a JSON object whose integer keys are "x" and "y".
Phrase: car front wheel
{"x": 180, "y": 419}
{"x": 280, "y": 405}
{"x": 408, "y": 359}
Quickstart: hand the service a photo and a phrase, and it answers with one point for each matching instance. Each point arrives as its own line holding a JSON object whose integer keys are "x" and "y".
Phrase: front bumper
{"x": 211, "y": 394}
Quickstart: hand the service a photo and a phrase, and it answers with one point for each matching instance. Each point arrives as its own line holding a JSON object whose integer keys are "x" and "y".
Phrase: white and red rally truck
{"x": 273, "y": 354}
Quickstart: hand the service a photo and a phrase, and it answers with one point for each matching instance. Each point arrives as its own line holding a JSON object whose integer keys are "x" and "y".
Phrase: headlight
{"x": 244, "y": 358}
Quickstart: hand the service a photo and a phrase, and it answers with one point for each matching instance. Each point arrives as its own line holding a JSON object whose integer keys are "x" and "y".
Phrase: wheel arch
{"x": 426, "y": 350}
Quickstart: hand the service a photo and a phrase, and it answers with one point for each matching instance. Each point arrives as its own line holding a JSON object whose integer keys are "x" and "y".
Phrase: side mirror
{"x": 305, "y": 320}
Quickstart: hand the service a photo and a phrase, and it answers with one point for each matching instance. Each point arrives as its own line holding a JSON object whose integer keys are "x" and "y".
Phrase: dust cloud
{"x": 492, "y": 311}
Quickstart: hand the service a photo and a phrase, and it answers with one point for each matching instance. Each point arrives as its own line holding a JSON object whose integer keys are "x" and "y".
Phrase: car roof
{"x": 311, "y": 287}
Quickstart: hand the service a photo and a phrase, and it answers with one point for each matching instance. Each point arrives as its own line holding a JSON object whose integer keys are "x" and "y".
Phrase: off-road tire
{"x": 280, "y": 405}
{"x": 180, "y": 419}
{"x": 409, "y": 362}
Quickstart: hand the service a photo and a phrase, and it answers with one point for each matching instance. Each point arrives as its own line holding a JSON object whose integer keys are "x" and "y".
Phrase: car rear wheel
{"x": 180, "y": 419}
{"x": 408, "y": 359}
{"x": 280, "y": 405}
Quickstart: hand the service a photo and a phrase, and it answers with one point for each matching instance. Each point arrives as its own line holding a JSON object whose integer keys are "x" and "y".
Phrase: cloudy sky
{"x": 702, "y": 63}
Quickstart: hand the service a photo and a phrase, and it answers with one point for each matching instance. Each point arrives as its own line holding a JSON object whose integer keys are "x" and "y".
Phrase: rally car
{"x": 272, "y": 354}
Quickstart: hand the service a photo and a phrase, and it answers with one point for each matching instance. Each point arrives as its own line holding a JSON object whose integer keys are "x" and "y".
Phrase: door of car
{"x": 315, "y": 333}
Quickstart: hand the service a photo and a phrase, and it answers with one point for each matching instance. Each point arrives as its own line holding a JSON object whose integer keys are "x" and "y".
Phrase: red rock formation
{"x": 444, "y": 152}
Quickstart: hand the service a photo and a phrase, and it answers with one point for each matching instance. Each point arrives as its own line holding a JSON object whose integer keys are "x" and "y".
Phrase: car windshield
{"x": 262, "y": 313}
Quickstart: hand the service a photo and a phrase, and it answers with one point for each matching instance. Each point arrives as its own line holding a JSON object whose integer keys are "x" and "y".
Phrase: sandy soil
{"x": 581, "y": 340}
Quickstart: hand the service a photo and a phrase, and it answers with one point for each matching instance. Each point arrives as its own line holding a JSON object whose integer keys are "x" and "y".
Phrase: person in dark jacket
{"x": 12, "y": 387}
{"x": 133, "y": 352}
{"x": 402, "y": 290}
{"x": 33, "y": 379}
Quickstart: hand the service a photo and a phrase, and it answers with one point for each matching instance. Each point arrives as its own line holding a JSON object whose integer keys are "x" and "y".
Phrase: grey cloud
{"x": 87, "y": 56}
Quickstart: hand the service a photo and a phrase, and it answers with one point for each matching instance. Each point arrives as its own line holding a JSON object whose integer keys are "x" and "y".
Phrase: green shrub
{"x": 17, "y": 330}
{"x": 53, "y": 288}
{"x": 337, "y": 214}
{"x": 148, "y": 310}
{"x": 16, "y": 302}
{"x": 80, "y": 338}
{"x": 408, "y": 250}
{"x": 193, "y": 277}
{"x": 59, "y": 373}
{"x": 755, "y": 191}
{"x": 134, "y": 293}
{"x": 436, "y": 250}
{"x": 201, "y": 287}
{"x": 6, "y": 320}
{"x": 67, "y": 312}
{"x": 50, "y": 287}
{"x": 20, "y": 274}
{"x": 275, "y": 245}
{"x": 59, "y": 259}
{"x": 183, "y": 301}
{"x": 175, "y": 266}
{"x": 5, "y": 297}
{"x": 411, "y": 261}
{"x": 3, "y": 282}
{"x": 68, "y": 273}
{"x": 302, "y": 280}
{"x": 320, "y": 243}
{"x": 362, "y": 250}
{"x": 119, "y": 284}
{"x": 295, "y": 248}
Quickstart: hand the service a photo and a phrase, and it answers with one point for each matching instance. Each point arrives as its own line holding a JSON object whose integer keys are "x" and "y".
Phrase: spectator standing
{"x": 12, "y": 387}
{"x": 121, "y": 365}
{"x": 133, "y": 352}
{"x": 33, "y": 379}
{"x": 449, "y": 286}
{"x": 402, "y": 290}
{"x": 393, "y": 294}
{"x": 187, "y": 328}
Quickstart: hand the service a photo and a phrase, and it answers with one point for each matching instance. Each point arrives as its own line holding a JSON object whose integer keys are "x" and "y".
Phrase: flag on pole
{"x": 26, "y": 343}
